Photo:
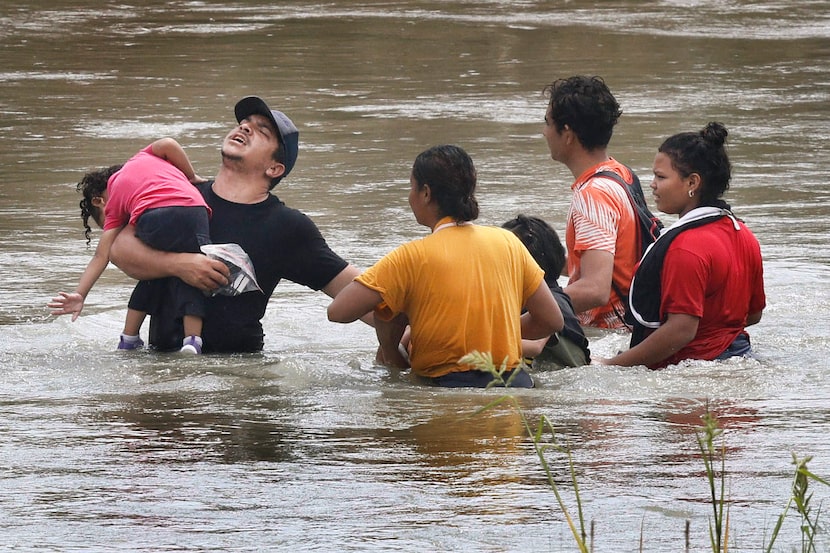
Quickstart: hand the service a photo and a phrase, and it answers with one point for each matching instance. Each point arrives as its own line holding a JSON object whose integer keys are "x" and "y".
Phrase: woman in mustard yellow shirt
{"x": 461, "y": 288}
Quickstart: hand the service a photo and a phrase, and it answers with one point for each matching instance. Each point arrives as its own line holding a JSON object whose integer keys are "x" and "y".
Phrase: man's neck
{"x": 585, "y": 159}
{"x": 239, "y": 188}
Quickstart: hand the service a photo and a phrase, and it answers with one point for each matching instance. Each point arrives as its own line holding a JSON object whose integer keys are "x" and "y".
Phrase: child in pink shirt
{"x": 154, "y": 191}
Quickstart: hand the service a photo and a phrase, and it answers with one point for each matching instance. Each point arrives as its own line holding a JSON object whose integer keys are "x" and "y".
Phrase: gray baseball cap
{"x": 289, "y": 135}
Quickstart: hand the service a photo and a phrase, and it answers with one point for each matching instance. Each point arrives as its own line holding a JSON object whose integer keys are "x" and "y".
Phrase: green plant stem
{"x": 484, "y": 362}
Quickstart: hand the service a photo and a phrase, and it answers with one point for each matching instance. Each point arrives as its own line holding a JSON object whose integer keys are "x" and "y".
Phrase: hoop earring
{"x": 691, "y": 193}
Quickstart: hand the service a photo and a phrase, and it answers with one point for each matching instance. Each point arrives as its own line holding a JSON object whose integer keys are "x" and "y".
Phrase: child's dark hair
{"x": 93, "y": 185}
{"x": 542, "y": 242}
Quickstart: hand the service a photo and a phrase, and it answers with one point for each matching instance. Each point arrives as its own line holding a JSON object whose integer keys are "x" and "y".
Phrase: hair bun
{"x": 714, "y": 133}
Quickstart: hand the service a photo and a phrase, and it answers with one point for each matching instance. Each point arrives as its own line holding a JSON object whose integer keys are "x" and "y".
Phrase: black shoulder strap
{"x": 648, "y": 228}
{"x": 634, "y": 190}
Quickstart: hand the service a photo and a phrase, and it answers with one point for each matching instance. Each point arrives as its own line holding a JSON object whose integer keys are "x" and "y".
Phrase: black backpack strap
{"x": 646, "y": 223}
{"x": 626, "y": 317}
{"x": 637, "y": 197}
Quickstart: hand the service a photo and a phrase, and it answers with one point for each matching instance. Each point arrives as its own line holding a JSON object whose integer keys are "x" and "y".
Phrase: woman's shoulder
{"x": 708, "y": 241}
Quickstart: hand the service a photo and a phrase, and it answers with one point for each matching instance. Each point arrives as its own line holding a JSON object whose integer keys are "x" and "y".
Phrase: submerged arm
{"x": 389, "y": 335}
{"x": 678, "y": 330}
{"x": 543, "y": 316}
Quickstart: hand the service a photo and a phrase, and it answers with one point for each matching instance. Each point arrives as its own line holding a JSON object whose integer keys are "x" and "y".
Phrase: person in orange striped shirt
{"x": 601, "y": 231}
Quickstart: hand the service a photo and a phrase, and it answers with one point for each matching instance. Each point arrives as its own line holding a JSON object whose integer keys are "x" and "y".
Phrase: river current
{"x": 310, "y": 447}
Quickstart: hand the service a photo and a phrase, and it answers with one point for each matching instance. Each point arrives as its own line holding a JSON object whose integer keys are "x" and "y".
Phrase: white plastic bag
{"x": 242, "y": 278}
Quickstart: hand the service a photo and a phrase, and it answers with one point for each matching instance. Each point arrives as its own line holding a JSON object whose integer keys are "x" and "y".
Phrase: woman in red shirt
{"x": 701, "y": 283}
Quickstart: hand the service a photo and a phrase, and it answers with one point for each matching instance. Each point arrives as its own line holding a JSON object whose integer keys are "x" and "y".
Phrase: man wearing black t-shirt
{"x": 282, "y": 242}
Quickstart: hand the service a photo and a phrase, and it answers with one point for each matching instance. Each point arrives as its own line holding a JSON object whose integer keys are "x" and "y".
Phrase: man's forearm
{"x": 142, "y": 262}
{"x": 159, "y": 264}
{"x": 138, "y": 260}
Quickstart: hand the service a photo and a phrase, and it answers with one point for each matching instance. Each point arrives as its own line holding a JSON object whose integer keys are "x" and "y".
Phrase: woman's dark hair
{"x": 542, "y": 242}
{"x": 93, "y": 185}
{"x": 586, "y": 105}
{"x": 704, "y": 153}
{"x": 451, "y": 177}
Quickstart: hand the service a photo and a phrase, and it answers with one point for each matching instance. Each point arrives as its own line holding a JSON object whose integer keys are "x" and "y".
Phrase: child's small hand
{"x": 197, "y": 180}
{"x": 66, "y": 304}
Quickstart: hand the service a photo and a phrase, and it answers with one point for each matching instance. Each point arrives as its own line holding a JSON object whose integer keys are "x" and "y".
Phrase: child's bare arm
{"x": 170, "y": 150}
{"x": 66, "y": 303}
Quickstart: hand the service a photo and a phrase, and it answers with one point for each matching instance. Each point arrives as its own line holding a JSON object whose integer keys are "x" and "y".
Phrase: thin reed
{"x": 718, "y": 533}
{"x": 801, "y": 498}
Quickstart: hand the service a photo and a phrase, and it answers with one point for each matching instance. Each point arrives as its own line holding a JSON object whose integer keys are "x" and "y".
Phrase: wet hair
{"x": 451, "y": 176}
{"x": 93, "y": 185}
{"x": 542, "y": 242}
{"x": 586, "y": 105}
{"x": 704, "y": 153}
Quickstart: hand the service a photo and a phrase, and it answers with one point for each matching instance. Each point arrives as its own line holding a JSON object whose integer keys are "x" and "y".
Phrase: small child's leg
{"x": 192, "y": 325}
{"x": 193, "y": 335}
{"x": 130, "y": 338}
{"x": 135, "y": 319}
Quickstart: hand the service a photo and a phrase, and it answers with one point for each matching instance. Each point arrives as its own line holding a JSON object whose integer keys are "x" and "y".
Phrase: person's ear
{"x": 275, "y": 170}
{"x": 694, "y": 184}
{"x": 99, "y": 202}
{"x": 427, "y": 193}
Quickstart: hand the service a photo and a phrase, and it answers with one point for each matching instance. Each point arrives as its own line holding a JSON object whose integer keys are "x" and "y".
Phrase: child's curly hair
{"x": 93, "y": 185}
